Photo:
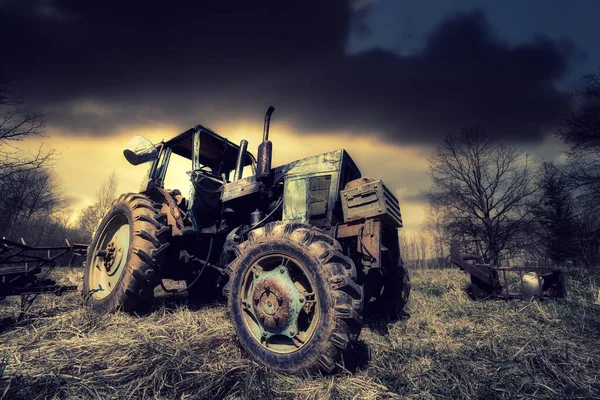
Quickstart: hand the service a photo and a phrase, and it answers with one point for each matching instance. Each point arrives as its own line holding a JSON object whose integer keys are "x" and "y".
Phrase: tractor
{"x": 301, "y": 252}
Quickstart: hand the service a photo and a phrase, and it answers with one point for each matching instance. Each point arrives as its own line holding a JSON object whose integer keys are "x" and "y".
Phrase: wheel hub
{"x": 276, "y": 302}
{"x": 109, "y": 259}
{"x": 110, "y": 256}
{"x": 113, "y": 255}
{"x": 271, "y": 302}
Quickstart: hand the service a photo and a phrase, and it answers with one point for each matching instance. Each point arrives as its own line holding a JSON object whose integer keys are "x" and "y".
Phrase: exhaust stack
{"x": 241, "y": 160}
{"x": 265, "y": 151}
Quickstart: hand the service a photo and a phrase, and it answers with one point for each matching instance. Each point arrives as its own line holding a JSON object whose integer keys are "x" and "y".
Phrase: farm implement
{"x": 488, "y": 281}
{"x": 21, "y": 268}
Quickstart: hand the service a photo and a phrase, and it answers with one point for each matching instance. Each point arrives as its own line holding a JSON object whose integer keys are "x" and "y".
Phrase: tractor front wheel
{"x": 125, "y": 255}
{"x": 293, "y": 298}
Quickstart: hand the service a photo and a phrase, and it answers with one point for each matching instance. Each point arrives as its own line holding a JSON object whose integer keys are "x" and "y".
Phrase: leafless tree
{"x": 483, "y": 186}
{"x": 26, "y": 194}
{"x": 436, "y": 227}
{"x": 17, "y": 124}
{"x": 89, "y": 217}
{"x": 88, "y": 220}
{"x": 414, "y": 250}
{"x": 107, "y": 193}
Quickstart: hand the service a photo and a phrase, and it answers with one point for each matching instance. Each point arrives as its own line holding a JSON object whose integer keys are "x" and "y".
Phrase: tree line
{"x": 511, "y": 208}
{"x": 33, "y": 205}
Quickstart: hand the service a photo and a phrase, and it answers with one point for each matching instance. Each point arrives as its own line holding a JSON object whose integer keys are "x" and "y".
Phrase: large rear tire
{"x": 392, "y": 291}
{"x": 293, "y": 298}
{"x": 396, "y": 293}
{"x": 124, "y": 257}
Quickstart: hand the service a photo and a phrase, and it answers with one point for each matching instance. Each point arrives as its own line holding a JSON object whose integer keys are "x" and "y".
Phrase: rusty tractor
{"x": 301, "y": 251}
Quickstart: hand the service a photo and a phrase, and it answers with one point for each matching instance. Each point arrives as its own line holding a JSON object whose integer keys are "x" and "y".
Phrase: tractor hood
{"x": 332, "y": 169}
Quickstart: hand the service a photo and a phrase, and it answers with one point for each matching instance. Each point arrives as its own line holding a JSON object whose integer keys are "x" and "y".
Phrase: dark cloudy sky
{"x": 403, "y": 73}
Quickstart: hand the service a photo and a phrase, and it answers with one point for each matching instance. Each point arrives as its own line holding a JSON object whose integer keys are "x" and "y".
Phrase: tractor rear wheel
{"x": 396, "y": 292}
{"x": 392, "y": 290}
{"x": 293, "y": 298}
{"x": 125, "y": 255}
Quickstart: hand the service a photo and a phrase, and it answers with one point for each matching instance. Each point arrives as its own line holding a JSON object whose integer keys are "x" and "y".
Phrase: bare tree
{"x": 27, "y": 194}
{"x": 414, "y": 250}
{"x": 88, "y": 220}
{"x": 17, "y": 124}
{"x": 484, "y": 186}
{"x": 107, "y": 194}
{"x": 436, "y": 226}
{"x": 89, "y": 217}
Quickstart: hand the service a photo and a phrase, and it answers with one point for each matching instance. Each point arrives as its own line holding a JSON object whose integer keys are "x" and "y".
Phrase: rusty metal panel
{"x": 326, "y": 162}
{"x": 480, "y": 271}
{"x": 239, "y": 188}
{"x": 311, "y": 186}
{"x": 371, "y": 200}
{"x": 319, "y": 196}
{"x": 343, "y": 231}
{"x": 319, "y": 165}
{"x": 368, "y": 244}
{"x": 295, "y": 200}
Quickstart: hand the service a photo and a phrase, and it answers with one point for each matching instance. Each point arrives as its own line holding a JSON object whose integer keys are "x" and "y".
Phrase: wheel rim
{"x": 281, "y": 309}
{"x": 109, "y": 257}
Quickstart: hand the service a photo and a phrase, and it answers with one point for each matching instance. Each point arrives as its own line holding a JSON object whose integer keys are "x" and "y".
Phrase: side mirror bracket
{"x": 140, "y": 150}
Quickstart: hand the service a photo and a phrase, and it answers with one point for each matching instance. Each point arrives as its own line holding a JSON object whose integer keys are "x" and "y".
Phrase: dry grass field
{"x": 448, "y": 347}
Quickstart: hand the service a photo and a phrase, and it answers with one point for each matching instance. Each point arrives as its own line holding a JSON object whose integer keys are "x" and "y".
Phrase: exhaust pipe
{"x": 241, "y": 160}
{"x": 265, "y": 151}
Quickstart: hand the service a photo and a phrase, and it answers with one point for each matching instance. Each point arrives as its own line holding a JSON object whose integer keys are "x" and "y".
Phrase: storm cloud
{"x": 98, "y": 66}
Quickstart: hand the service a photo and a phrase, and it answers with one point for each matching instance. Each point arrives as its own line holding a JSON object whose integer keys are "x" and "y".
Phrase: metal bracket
{"x": 368, "y": 233}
